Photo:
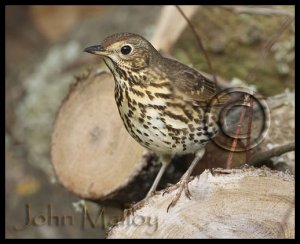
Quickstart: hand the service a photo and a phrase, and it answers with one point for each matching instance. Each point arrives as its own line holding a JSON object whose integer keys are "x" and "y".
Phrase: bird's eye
{"x": 126, "y": 49}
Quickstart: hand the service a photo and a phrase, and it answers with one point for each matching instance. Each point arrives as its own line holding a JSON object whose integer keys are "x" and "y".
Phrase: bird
{"x": 164, "y": 104}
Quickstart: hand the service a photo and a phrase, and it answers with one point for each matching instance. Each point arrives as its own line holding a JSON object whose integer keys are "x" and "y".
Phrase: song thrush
{"x": 163, "y": 103}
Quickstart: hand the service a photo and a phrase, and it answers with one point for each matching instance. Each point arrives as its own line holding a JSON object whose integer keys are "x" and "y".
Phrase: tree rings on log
{"x": 92, "y": 153}
{"x": 237, "y": 203}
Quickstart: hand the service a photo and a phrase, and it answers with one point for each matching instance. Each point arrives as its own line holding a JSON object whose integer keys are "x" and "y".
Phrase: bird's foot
{"x": 137, "y": 205}
{"x": 182, "y": 185}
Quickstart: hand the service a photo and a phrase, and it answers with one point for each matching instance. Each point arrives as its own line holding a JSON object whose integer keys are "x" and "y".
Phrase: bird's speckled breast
{"x": 159, "y": 121}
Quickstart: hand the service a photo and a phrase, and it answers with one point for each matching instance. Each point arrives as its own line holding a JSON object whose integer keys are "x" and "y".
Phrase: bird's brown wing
{"x": 190, "y": 83}
{"x": 201, "y": 90}
{"x": 195, "y": 86}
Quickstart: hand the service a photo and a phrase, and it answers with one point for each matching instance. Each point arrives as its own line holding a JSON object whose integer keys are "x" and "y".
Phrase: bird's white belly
{"x": 151, "y": 132}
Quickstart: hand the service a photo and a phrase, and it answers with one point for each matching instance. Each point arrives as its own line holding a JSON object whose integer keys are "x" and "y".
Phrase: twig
{"x": 275, "y": 37}
{"x": 267, "y": 48}
{"x": 257, "y": 10}
{"x": 274, "y": 152}
{"x": 169, "y": 27}
{"x": 199, "y": 42}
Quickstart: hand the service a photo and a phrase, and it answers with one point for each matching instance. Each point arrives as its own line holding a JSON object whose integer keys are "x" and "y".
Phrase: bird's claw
{"x": 183, "y": 186}
{"x": 135, "y": 206}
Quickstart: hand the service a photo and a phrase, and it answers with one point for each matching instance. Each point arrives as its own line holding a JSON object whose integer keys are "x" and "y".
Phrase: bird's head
{"x": 125, "y": 50}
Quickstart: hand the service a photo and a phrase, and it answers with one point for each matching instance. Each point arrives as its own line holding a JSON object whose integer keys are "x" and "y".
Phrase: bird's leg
{"x": 183, "y": 183}
{"x": 165, "y": 160}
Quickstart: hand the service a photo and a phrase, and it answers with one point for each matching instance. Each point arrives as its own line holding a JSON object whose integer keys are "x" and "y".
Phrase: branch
{"x": 267, "y": 48}
{"x": 274, "y": 152}
{"x": 199, "y": 41}
{"x": 170, "y": 26}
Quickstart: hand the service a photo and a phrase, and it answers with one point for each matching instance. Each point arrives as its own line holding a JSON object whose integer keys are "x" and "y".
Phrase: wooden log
{"x": 92, "y": 153}
{"x": 90, "y": 148}
{"x": 170, "y": 25}
{"x": 281, "y": 132}
{"x": 238, "y": 203}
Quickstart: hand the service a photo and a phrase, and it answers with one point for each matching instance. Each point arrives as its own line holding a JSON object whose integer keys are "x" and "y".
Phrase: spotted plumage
{"x": 163, "y": 103}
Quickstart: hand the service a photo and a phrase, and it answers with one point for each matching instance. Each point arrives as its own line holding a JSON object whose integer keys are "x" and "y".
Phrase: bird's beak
{"x": 97, "y": 49}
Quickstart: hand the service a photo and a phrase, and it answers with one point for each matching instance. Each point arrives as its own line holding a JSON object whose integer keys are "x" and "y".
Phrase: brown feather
{"x": 190, "y": 82}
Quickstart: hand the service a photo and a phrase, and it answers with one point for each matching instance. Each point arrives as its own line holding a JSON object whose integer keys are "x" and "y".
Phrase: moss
{"x": 236, "y": 45}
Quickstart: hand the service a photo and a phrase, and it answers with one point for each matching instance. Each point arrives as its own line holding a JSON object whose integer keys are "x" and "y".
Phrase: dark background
{"x": 43, "y": 54}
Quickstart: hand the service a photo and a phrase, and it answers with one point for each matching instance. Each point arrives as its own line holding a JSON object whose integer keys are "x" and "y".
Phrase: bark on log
{"x": 244, "y": 203}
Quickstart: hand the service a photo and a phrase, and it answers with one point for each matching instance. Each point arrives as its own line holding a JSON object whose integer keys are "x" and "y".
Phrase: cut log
{"x": 92, "y": 153}
{"x": 244, "y": 203}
